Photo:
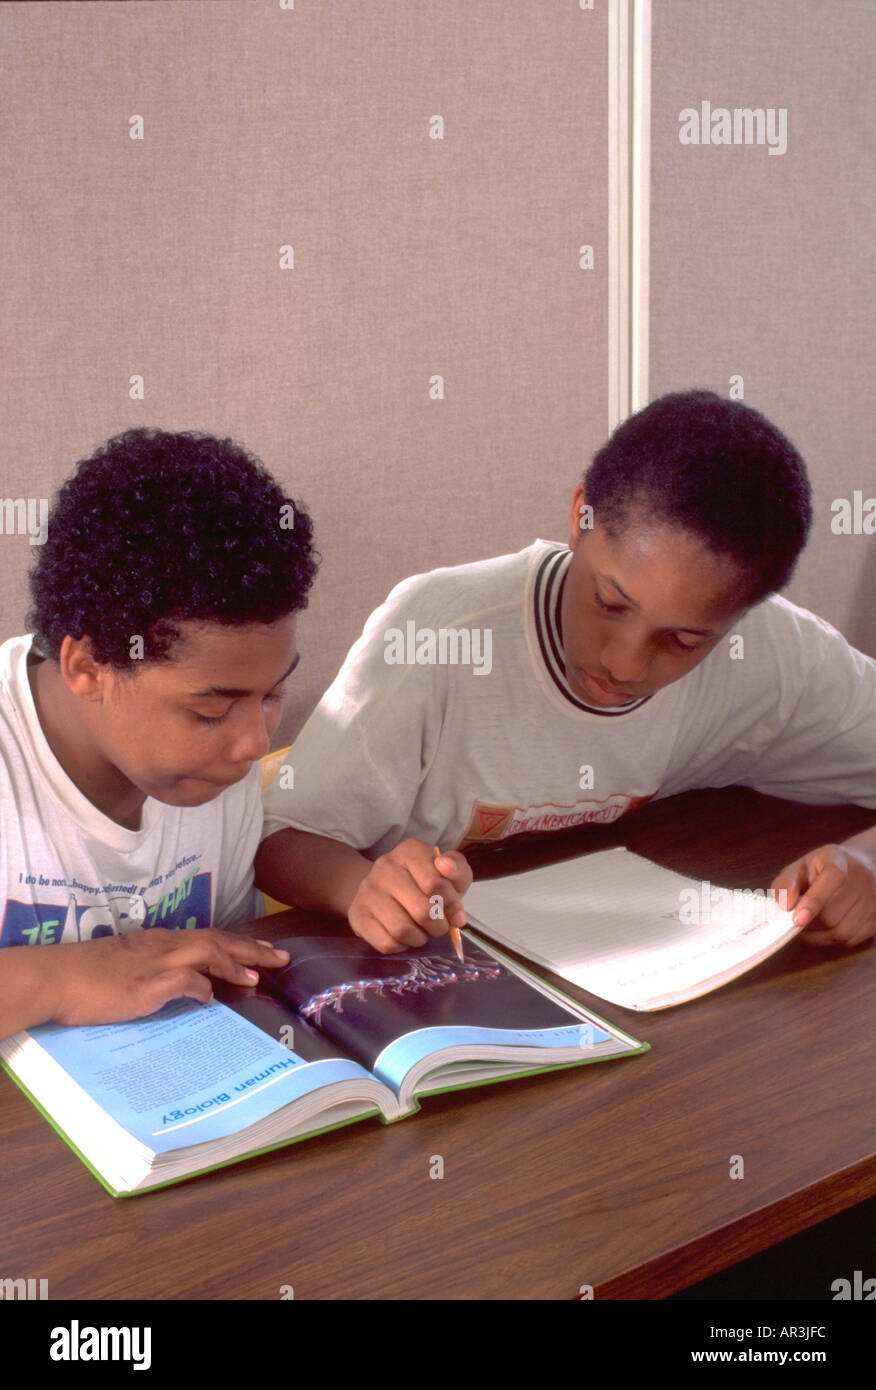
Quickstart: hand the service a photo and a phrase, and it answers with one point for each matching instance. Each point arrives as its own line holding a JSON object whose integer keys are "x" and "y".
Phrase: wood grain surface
{"x": 615, "y": 1175}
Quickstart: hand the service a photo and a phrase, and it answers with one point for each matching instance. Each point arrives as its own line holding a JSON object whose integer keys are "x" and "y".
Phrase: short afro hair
{"x": 157, "y": 528}
{"x": 713, "y": 466}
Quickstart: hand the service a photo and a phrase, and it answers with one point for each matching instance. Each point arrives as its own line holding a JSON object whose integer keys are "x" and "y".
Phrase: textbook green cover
{"x": 339, "y": 1035}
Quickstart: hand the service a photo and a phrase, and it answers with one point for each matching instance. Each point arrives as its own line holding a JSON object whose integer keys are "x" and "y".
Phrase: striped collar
{"x": 549, "y": 583}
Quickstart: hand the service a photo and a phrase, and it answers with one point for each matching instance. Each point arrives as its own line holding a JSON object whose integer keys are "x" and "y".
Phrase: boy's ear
{"x": 81, "y": 673}
{"x": 580, "y": 516}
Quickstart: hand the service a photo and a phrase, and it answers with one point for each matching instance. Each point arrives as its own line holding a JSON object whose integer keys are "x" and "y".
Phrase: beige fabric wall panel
{"x": 413, "y": 257}
{"x": 764, "y": 265}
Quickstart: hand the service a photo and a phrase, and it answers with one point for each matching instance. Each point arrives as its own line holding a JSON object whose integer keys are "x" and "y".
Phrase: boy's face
{"x": 642, "y": 609}
{"x": 183, "y": 729}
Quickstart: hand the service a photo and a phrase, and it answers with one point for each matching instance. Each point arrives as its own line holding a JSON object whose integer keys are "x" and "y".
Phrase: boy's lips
{"x": 603, "y": 692}
{"x": 215, "y": 782}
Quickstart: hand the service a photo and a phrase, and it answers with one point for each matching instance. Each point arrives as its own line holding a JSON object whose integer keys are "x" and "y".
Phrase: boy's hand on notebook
{"x": 409, "y": 895}
{"x": 116, "y": 978}
{"x": 834, "y": 888}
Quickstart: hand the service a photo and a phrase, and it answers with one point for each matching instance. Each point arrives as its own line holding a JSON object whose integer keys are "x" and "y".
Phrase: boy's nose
{"x": 251, "y": 744}
{"x": 626, "y": 663}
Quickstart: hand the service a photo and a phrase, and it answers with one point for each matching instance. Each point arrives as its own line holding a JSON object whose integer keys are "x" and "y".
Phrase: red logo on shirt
{"x": 488, "y": 823}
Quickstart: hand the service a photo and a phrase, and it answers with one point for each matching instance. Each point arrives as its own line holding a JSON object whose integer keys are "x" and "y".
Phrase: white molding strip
{"x": 640, "y": 207}
{"x": 629, "y": 160}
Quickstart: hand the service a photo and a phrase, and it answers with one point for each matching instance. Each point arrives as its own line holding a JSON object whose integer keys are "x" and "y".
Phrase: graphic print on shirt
{"x": 489, "y": 823}
{"x": 66, "y": 918}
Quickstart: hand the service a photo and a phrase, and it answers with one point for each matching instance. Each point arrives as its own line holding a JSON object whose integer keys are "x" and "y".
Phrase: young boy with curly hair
{"x": 132, "y": 720}
{"x": 649, "y": 656}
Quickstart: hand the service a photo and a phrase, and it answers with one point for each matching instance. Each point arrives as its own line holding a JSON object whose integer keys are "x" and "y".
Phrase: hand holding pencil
{"x": 411, "y": 893}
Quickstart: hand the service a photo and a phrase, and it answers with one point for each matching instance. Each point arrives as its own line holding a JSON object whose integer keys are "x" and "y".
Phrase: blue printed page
{"x": 189, "y": 1073}
{"x": 404, "y": 1055}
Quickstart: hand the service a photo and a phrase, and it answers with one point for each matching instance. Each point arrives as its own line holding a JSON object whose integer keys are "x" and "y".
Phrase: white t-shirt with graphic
{"x": 68, "y": 872}
{"x": 456, "y": 740}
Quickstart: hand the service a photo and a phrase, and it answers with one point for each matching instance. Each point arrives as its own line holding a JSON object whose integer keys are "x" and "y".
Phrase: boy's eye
{"x": 621, "y": 608}
{"x": 204, "y": 719}
{"x": 608, "y": 607}
{"x": 220, "y": 719}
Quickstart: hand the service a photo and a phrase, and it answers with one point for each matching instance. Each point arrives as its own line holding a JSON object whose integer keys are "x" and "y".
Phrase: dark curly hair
{"x": 158, "y": 528}
{"x": 713, "y": 466}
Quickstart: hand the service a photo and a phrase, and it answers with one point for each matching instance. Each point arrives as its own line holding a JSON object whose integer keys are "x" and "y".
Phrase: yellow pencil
{"x": 454, "y": 931}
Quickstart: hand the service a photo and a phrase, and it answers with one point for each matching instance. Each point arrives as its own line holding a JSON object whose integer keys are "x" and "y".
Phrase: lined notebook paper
{"x": 628, "y": 930}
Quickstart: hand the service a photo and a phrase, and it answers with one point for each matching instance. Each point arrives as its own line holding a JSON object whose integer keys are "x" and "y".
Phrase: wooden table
{"x": 615, "y": 1176}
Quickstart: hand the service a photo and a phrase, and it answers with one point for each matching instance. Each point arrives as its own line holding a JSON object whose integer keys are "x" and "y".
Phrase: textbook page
{"x": 393, "y": 1012}
{"x": 628, "y": 930}
{"x": 188, "y": 1074}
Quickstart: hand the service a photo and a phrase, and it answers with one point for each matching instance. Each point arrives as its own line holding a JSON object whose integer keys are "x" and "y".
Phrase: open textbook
{"x": 629, "y": 931}
{"x": 340, "y": 1034}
